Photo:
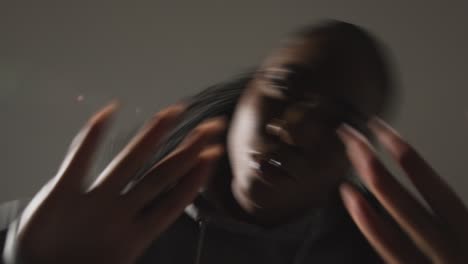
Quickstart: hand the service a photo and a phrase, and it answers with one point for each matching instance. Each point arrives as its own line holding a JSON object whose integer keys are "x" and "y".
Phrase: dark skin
{"x": 77, "y": 223}
{"x": 100, "y": 223}
{"x": 268, "y": 114}
{"x": 290, "y": 111}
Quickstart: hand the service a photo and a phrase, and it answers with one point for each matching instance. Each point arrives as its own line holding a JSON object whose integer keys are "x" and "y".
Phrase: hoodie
{"x": 202, "y": 236}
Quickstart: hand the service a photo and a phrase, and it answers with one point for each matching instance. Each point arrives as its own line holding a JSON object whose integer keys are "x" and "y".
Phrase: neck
{"x": 219, "y": 194}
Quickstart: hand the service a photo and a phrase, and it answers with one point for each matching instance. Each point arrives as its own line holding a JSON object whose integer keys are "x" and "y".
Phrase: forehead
{"x": 341, "y": 77}
{"x": 298, "y": 51}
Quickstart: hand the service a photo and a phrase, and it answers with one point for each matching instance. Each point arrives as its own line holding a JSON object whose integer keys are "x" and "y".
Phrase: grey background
{"x": 150, "y": 53}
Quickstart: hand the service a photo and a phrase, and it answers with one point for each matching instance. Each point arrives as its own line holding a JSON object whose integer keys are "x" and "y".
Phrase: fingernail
{"x": 111, "y": 106}
{"x": 377, "y": 125}
{"x": 348, "y": 133}
{"x": 105, "y": 111}
{"x": 357, "y": 146}
{"x": 220, "y": 122}
{"x": 347, "y": 192}
{"x": 217, "y": 119}
{"x": 213, "y": 153}
{"x": 343, "y": 132}
{"x": 173, "y": 110}
{"x": 387, "y": 136}
{"x": 211, "y": 157}
{"x": 353, "y": 201}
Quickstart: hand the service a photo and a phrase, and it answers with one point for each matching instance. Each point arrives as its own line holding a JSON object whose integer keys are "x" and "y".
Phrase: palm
{"x": 68, "y": 223}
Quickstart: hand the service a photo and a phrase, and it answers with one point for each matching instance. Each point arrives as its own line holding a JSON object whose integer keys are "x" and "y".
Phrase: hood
{"x": 305, "y": 230}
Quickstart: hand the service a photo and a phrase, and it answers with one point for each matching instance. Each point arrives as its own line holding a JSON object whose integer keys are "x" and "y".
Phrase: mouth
{"x": 268, "y": 166}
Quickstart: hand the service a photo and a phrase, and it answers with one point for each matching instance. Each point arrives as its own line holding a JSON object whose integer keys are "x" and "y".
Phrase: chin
{"x": 242, "y": 198}
{"x": 260, "y": 201}
{"x": 263, "y": 212}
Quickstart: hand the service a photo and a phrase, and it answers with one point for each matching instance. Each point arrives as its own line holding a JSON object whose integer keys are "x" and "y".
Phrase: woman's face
{"x": 282, "y": 145}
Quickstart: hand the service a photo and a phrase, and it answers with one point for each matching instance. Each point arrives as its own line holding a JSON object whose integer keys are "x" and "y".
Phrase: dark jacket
{"x": 202, "y": 236}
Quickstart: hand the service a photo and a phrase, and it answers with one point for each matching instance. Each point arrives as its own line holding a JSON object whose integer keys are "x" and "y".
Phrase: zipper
{"x": 201, "y": 238}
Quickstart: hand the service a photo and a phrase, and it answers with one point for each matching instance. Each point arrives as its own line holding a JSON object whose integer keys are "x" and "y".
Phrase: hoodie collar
{"x": 314, "y": 223}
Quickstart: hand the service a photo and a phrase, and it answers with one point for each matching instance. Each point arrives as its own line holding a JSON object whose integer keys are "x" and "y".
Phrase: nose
{"x": 287, "y": 124}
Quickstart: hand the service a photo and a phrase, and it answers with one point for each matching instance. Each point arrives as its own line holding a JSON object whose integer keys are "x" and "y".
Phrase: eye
{"x": 353, "y": 116}
{"x": 314, "y": 101}
{"x": 278, "y": 81}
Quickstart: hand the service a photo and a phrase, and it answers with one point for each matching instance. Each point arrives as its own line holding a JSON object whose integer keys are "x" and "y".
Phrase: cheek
{"x": 318, "y": 186}
{"x": 248, "y": 121}
{"x": 244, "y": 123}
{"x": 242, "y": 132}
{"x": 323, "y": 166}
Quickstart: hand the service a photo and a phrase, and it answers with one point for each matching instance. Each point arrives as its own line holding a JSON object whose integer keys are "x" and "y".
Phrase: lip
{"x": 268, "y": 166}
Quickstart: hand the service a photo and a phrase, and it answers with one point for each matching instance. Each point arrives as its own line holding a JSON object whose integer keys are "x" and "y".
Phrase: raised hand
{"x": 68, "y": 222}
{"x": 417, "y": 235}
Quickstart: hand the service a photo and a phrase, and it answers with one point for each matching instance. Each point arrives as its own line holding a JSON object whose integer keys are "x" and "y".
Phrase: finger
{"x": 439, "y": 196}
{"x": 178, "y": 163}
{"x": 386, "y": 238}
{"x": 126, "y": 164}
{"x": 169, "y": 208}
{"x": 412, "y": 217}
{"x": 78, "y": 160}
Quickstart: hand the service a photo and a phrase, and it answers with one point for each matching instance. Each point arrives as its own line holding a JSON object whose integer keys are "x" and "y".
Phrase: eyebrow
{"x": 307, "y": 70}
{"x": 296, "y": 67}
{"x": 346, "y": 107}
{"x": 290, "y": 67}
{"x": 300, "y": 70}
{"x": 350, "y": 107}
{"x": 345, "y": 104}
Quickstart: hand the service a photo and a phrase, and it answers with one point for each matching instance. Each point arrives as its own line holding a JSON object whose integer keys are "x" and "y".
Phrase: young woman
{"x": 257, "y": 164}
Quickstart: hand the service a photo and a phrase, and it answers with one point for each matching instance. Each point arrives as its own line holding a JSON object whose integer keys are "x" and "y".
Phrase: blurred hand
{"x": 68, "y": 222}
{"x": 416, "y": 235}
